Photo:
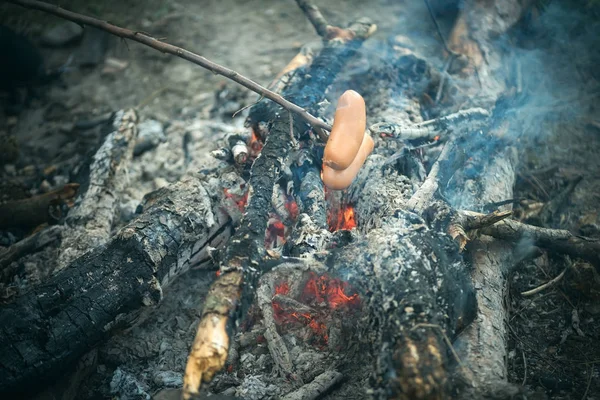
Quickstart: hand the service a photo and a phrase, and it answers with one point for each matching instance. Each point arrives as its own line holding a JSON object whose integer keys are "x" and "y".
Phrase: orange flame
{"x": 342, "y": 219}
{"x": 255, "y": 144}
{"x": 331, "y": 291}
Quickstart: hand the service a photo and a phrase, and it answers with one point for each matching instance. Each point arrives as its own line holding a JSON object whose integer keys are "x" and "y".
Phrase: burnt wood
{"x": 46, "y": 330}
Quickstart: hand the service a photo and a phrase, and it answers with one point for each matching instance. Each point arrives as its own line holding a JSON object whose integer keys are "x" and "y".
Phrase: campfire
{"x": 348, "y": 234}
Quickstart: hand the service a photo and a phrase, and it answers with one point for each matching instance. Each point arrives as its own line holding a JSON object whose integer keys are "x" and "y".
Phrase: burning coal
{"x": 321, "y": 297}
{"x": 239, "y": 199}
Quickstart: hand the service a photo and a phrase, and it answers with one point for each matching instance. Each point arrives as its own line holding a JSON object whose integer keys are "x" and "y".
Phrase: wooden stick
{"x": 164, "y": 47}
{"x": 315, "y": 17}
{"x": 32, "y": 211}
{"x": 90, "y": 221}
{"x": 28, "y": 245}
{"x": 422, "y": 198}
{"x": 471, "y": 220}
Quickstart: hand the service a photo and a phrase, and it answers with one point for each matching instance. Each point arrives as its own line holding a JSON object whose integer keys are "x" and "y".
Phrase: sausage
{"x": 346, "y": 136}
{"x": 338, "y": 180}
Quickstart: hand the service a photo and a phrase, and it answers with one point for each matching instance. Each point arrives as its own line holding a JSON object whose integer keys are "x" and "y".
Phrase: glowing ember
{"x": 321, "y": 293}
{"x": 331, "y": 291}
{"x": 283, "y": 288}
{"x": 275, "y": 234}
{"x": 255, "y": 144}
{"x": 436, "y": 138}
{"x": 341, "y": 219}
{"x": 292, "y": 207}
{"x": 240, "y": 200}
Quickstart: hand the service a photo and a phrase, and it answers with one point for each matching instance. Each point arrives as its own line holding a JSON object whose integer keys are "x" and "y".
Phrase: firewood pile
{"x": 393, "y": 287}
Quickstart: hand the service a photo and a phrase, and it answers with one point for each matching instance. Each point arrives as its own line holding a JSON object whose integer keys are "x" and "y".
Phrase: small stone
{"x": 45, "y": 186}
{"x": 62, "y": 34}
{"x": 151, "y": 134}
{"x": 10, "y": 169}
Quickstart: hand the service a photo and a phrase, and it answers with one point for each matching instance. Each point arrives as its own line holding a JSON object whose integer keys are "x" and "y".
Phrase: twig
{"x": 289, "y": 304}
{"x": 589, "y": 382}
{"x": 32, "y": 211}
{"x": 315, "y": 17}
{"x": 444, "y": 73}
{"x": 524, "y": 368}
{"x": 422, "y": 198}
{"x": 556, "y": 240}
{"x": 545, "y": 285}
{"x": 472, "y": 220}
{"x": 28, "y": 245}
{"x": 439, "y": 30}
{"x": 164, "y": 47}
{"x": 433, "y": 127}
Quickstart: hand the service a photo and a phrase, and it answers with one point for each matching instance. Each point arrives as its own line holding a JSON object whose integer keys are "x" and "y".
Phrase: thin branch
{"x": 28, "y": 245}
{"x": 545, "y": 285}
{"x": 433, "y": 127}
{"x": 315, "y": 17}
{"x": 164, "y": 47}
{"x": 423, "y": 197}
{"x": 439, "y": 30}
{"x": 556, "y": 240}
{"x": 472, "y": 220}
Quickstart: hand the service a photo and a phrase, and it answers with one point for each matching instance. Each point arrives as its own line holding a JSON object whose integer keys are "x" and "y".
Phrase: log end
{"x": 208, "y": 354}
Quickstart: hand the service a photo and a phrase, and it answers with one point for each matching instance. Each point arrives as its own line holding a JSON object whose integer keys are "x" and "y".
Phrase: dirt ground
{"x": 554, "y": 342}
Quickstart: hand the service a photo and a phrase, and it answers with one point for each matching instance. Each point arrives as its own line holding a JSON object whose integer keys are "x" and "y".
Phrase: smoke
{"x": 554, "y": 65}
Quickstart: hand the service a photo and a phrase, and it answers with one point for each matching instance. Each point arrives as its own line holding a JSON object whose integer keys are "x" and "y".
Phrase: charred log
{"x": 49, "y": 328}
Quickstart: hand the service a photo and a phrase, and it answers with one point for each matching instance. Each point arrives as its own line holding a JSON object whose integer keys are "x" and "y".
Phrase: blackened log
{"x": 417, "y": 292}
{"x": 49, "y": 328}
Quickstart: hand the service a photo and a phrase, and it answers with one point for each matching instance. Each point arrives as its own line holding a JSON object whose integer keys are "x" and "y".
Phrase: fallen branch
{"x": 315, "y": 17}
{"x": 471, "y": 220}
{"x": 423, "y": 197}
{"x": 482, "y": 345}
{"x": 428, "y": 130}
{"x": 164, "y": 47}
{"x": 33, "y": 211}
{"x": 28, "y": 245}
{"x": 555, "y": 240}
